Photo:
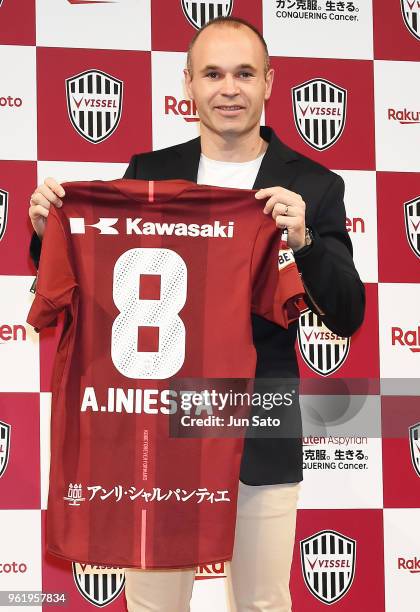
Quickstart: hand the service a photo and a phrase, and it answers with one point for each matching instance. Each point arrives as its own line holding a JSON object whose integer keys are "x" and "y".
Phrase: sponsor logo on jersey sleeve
{"x": 412, "y": 224}
{"x": 322, "y": 350}
{"x": 94, "y": 104}
{"x": 99, "y": 585}
{"x": 200, "y": 12}
{"x": 414, "y": 435}
{"x": 285, "y": 256}
{"x": 319, "y": 110}
{"x": 328, "y": 561}
{"x": 5, "y": 430}
{"x": 411, "y": 14}
{"x": 4, "y": 198}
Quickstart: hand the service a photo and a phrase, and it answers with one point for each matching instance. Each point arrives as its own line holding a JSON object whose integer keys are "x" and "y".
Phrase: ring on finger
{"x": 286, "y": 210}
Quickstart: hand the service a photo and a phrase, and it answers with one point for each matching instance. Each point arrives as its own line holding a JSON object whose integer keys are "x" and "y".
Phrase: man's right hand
{"x": 49, "y": 192}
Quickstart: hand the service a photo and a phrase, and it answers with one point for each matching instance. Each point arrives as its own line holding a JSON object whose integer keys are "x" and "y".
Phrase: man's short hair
{"x": 233, "y": 22}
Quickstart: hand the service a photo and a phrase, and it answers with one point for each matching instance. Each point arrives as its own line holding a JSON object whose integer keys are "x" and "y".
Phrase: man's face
{"x": 228, "y": 84}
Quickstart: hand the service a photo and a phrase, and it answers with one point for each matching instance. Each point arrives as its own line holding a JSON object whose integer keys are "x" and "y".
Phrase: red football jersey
{"x": 157, "y": 281}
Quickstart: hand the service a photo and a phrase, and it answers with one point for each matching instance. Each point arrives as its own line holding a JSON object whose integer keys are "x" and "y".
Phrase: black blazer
{"x": 327, "y": 269}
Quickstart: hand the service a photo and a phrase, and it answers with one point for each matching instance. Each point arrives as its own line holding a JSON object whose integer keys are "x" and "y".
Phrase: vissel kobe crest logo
{"x": 328, "y": 561}
{"x": 100, "y": 585}
{"x": 414, "y": 433}
{"x": 319, "y": 109}
{"x": 323, "y": 351}
{"x": 94, "y": 104}
{"x": 411, "y": 14}
{"x": 200, "y": 12}
{"x": 5, "y": 430}
{"x": 412, "y": 224}
{"x": 4, "y": 198}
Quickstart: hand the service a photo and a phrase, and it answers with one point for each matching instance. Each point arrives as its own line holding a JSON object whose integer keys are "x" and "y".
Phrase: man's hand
{"x": 44, "y": 195}
{"x": 288, "y": 211}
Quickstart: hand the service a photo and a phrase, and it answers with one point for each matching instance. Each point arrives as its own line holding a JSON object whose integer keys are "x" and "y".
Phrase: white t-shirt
{"x": 239, "y": 175}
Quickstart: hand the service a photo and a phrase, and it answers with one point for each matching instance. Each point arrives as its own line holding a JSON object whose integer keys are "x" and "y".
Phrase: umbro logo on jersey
{"x": 5, "y": 430}
{"x": 409, "y": 338}
{"x": 199, "y": 12}
{"x": 322, "y": 350}
{"x": 412, "y": 224}
{"x": 328, "y": 561}
{"x": 99, "y": 585}
{"x": 411, "y": 14}
{"x": 319, "y": 110}
{"x": 184, "y": 108}
{"x": 106, "y": 225}
{"x": 4, "y": 198}
{"x": 94, "y": 104}
{"x": 414, "y": 435}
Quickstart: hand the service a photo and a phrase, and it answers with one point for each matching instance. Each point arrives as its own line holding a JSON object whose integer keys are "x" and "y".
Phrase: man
{"x": 229, "y": 77}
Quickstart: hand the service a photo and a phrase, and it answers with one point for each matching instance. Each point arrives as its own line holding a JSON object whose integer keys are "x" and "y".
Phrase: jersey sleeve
{"x": 56, "y": 281}
{"x": 277, "y": 289}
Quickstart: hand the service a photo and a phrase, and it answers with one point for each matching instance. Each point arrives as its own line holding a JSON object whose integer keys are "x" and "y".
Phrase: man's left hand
{"x": 288, "y": 211}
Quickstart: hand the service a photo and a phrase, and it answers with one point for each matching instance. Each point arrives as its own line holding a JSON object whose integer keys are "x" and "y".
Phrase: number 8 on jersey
{"x": 161, "y": 313}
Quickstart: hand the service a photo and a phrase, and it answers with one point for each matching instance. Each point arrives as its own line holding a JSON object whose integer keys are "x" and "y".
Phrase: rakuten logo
{"x": 410, "y": 338}
{"x": 356, "y": 225}
{"x": 184, "y": 108}
{"x": 412, "y": 565}
{"x": 10, "y": 102}
{"x": 12, "y": 333}
{"x": 105, "y": 225}
{"x": 404, "y": 116}
{"x": 214, "y": 570}
{"x": 13, "y": 568}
